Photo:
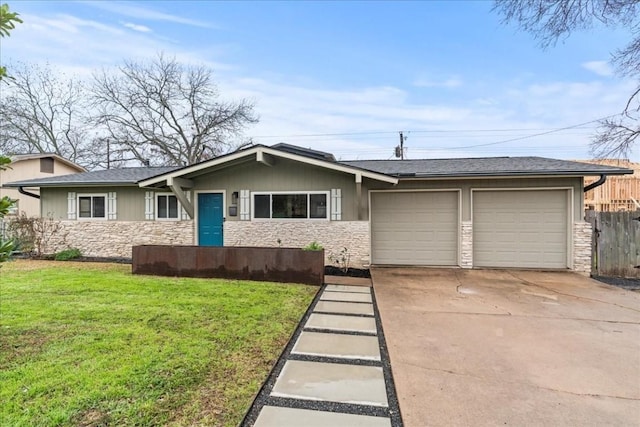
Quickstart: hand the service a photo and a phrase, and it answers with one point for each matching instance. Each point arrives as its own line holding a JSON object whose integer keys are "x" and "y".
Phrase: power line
{"x": 364, "y": 133}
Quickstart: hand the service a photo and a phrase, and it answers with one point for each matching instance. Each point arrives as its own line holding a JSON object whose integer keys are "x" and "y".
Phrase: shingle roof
{"x": 425, "y": 168}
{"x": 484, "y": 166}
{"x": 124, "y": 176}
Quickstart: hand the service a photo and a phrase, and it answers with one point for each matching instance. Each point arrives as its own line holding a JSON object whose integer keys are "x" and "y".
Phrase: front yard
{"x": 89, "y": 344}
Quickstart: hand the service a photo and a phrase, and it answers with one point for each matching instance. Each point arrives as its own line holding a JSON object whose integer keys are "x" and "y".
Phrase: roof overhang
{"x": 264, "y": 155}
{"x": 502, "y": 175}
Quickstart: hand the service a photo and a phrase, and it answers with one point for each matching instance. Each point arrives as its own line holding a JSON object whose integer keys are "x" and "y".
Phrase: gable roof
{"x": 262, "y": 153}
{"x": 484, "y": 166}
{"x": 30, "y": 156}
{"x": 124, "y": 176}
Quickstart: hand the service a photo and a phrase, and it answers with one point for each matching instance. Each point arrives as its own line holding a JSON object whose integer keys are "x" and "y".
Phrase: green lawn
{"x": 90, "y": 344}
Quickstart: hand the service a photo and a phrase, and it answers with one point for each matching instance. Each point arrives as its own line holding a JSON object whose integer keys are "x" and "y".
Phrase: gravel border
{"x": 263, "y": 397}
{"x": 621, "y": 282}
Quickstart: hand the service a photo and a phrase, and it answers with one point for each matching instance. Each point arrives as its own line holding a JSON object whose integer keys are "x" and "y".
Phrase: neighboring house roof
{"x": 382, "y": 170}
{"x": 308, "y": 152}
{"x": 484, "y": 166}
{"x": 124, "y": 176}
{"x": 30, "y": 156}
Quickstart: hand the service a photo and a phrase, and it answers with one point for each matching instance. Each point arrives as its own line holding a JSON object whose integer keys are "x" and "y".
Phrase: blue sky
{"x": 345, "y": 77}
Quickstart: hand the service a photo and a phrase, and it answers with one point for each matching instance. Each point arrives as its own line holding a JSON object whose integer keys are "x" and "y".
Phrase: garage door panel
{"x": 414, "y": 228}
{"x": 520, "y": 228}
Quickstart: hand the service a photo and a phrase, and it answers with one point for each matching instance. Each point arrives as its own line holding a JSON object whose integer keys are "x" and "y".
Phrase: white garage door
{"x": 520, "y": 228}
{"x": 414, "y": 228}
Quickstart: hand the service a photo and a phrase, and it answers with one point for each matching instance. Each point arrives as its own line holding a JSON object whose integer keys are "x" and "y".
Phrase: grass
{"x": 85, "y": 344}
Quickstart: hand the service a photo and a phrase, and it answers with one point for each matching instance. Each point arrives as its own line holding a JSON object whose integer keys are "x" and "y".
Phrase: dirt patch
{"x": 92, "y": 418}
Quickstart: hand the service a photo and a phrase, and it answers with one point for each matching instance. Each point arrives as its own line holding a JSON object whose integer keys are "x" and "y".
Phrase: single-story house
{"x": 524, "y": 212}
{"x": 30, "y": 166}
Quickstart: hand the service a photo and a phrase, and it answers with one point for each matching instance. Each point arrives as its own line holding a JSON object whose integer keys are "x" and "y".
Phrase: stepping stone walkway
{"x": 335, "y": 371}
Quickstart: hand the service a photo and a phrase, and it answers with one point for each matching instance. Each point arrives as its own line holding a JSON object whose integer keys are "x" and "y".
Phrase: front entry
{"x": 210, "y": 219}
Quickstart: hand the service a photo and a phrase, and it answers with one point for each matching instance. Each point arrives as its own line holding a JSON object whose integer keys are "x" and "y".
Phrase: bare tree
{"x": 42, "y": 112}
{"x": 167, "y": 113}
{"x": 552, "y": 20}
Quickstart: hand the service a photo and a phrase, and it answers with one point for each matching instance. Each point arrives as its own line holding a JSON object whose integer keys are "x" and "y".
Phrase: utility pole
{"x": 108, "y": 154}
{"x": 400, "y": 148}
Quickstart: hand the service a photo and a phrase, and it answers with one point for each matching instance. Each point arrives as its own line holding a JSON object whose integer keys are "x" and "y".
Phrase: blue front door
{"x": 210, "y": 219}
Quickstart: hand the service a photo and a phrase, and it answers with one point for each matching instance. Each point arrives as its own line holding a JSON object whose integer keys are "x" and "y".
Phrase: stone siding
{"x": 466, "y": 249}
{"x": 582, "y": 233}
{"x": 332, "y": 235}
{"x": 116, "y": 238}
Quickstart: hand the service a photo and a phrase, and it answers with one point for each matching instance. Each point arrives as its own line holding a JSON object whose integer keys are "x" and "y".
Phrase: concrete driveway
{"x": 497, "y": 347}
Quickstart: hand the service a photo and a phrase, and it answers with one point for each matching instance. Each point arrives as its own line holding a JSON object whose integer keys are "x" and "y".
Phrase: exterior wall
{"x": 116, "y": 238}
{"x": 466, "y": 244}
{"x": 332, "y": 235}
{"x": 130, "y": 201}
{"x": 582, "y": 234}
{"x": 466, "y": 185}
{"x": 29, "y": 169}
{"x": 284, "y": 175}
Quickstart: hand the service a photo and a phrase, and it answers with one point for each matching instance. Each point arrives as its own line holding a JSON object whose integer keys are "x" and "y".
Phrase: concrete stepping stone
{"x": 333, "y": 382}
{"x": 274, "y": 416}
{"x": 337, "y": 345}
{"x": 336, "y": 322}
{"x": 343, "y": 307}
{"x": 345, "y": 296}
{"x": 347, "y": 288}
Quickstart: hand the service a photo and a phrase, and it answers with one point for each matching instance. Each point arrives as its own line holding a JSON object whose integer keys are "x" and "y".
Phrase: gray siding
{"x": 130, "y": 201}
{"x": 468, "y": 184}
{"x": 284, "y": 175}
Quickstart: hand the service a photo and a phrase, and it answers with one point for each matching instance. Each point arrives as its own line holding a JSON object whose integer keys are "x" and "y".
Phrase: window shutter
{"x": 245, "y": 205}
{"x": 185, "y": 215}
{"x": 149, "y": 204}
{"x": 336, "y": 204}
{"x": 112, "y": 206}
{"x": 71, "y": 205}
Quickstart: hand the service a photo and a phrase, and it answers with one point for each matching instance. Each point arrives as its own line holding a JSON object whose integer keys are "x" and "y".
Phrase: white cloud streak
{"x": 143, "y": 13}
{"x": 137, "y": 27}
{"x": 601, "y": 68}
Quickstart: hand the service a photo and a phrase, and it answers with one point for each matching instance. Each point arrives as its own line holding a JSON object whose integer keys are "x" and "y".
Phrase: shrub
{"x": 68, "y": 254}
{"x": 313, "y": 246}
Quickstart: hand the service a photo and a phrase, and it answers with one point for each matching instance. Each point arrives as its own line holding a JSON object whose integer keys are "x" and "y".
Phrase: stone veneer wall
{"x": 582, "y": 246}
{"x": 332, "y": 235}
{"x": 116, "y": 238}
{"x": 466, "y": 250}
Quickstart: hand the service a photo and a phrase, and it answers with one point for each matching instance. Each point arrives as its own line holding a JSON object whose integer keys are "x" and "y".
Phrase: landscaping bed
{"x": 330, "y": 270}
{"x": 91, "y": 344}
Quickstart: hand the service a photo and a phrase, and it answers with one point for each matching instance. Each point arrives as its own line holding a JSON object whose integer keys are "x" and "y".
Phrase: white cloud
{"x": 143, "y": 13}
{"x": 601, "y": 68}
{"x": 450, "y": 83}
{"x": 136, "y": 27}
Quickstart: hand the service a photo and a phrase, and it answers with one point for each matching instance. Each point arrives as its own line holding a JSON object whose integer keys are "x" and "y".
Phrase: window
{"x": 92, "y": 206}
{"x": 46, "y": 165}
{"x": 167, "y": 206}
{"x": 290, "y": 205}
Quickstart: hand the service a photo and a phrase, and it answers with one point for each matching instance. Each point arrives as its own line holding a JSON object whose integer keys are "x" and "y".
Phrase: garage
{"x": 415, "y": 228}
{"x": 523, "y": 229}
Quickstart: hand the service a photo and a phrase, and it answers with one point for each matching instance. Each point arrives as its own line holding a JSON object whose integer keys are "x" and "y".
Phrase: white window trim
{"x": 106, "y": 207}
{"x": 155, "y": 214}
{"x": 259, "y": 193}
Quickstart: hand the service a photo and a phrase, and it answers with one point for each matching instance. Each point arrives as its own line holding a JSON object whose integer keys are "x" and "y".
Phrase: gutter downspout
{"x": 598, "y": 183}
{"x": 21, "y": 190}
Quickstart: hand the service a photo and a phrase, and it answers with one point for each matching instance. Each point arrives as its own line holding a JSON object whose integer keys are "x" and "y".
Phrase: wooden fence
{"x": 616, "y": 243}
